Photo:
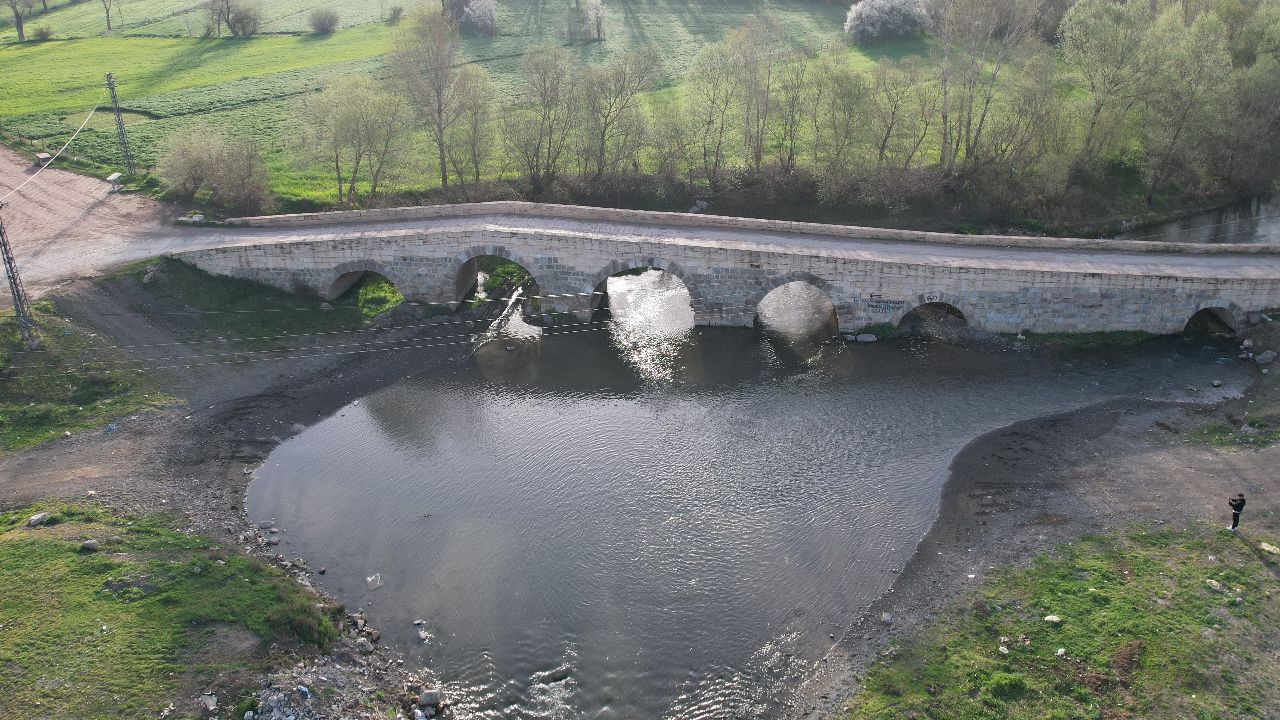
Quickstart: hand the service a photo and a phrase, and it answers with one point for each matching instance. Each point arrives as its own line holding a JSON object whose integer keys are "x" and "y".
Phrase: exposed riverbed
{"x": 642, "y": 520}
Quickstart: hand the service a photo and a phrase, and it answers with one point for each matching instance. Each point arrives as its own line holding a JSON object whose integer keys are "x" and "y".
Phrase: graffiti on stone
{"x": 878, "y": 304}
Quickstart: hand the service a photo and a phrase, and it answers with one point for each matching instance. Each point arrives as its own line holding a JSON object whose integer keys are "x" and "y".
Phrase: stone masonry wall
{"x": 726, "y": 284}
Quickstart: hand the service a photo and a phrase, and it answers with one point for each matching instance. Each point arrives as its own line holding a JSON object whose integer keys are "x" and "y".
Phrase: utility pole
{"x": 124, "y": 140}
{"x": 21, "y": 310}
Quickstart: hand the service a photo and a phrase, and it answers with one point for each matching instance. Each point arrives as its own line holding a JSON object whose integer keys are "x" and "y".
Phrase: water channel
{"x": 1254, "y": 221}
{"x": 647, "y": 520}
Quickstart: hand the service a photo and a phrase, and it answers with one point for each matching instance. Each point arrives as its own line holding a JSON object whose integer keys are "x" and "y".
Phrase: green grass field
{"x": 65, "y": 386}
{"x": 1154, "y": 623}
{"x": 143, "y": 622}
{"x": 170, "y": 82}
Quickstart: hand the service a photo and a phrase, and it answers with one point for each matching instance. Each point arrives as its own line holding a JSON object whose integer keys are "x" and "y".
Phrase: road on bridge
{"x": 63, "y": 225}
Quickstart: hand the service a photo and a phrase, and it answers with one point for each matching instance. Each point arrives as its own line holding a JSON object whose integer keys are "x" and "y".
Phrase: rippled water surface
{"x": 646, "y": 522}
{"x": 1250, "y": 222}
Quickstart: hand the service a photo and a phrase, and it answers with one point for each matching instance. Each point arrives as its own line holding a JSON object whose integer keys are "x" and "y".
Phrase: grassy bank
{"x": 1154, "y": 624}
{"x": 69, "y": 384}
{"x": 260, "y": 316}
{"x": 170, "y": 79}
{"x": 155, "y": 616}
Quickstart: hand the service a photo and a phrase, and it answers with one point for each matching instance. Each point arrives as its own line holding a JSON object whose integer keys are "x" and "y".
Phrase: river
{"x": 646, "y": 520}
{"x": 1255, "y": 221}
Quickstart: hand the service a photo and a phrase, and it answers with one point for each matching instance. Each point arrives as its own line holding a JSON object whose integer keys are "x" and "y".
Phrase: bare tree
{"x": 1030, "y": 125}
{"x": 106, "y": 8}
{"x": 982, "y": 43}
{"x": 471, "y": 137}
{"x": 1185, "y": 103}
{"x": 757, "y": 53}
{"x": 593, "y": 20}
{"x": 672, "y": 138}
{"x": 21, "y": 9}
{"x": 838, "y": 111}
{"x": 713, "y": 93}
{"x": 358, "y": 129}
{"x": 1247, "y": 151}
{"x": 612, "y": 114}
{"x": 795, "y": 96}
{"x": 537, "y": 129}
{"x": 1103, "y": 42}
{"x": 424, "y": 58}
{"x": 891, "y": 96}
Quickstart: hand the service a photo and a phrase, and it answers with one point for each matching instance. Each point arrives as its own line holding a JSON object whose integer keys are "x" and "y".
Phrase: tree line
{"x": 1159, "y": 102}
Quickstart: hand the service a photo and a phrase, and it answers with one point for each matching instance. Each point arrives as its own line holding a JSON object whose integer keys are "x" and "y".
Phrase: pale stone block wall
{"x": 727, "y": 283}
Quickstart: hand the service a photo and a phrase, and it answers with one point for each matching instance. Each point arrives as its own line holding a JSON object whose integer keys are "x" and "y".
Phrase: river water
{"x": 650, "y": 521}
{"x": 1256, "y": 221}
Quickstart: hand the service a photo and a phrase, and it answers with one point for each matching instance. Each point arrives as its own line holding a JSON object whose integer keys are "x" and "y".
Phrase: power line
{"x": 553, "y": 330}
{"x": 376, "y": 328}
{"x": 406, "y": 303}
{"x": 235, "y": 353}
{"x": 307, "y": 356}
{"x": 55, "y": 155}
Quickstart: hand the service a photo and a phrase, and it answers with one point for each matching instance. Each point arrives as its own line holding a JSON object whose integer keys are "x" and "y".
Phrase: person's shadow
{"x": 1269, "y": 561}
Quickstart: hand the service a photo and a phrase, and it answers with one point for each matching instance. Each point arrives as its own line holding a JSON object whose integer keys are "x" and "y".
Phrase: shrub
{"x": 323, "y": 21}
{"x": 245, "y": 18}
{"x": 481, "y": 16}
{"x": 43, "y": 33}
{"x": 1006, "y": 686}
{"x": 871, "y": 21}
{"x": 394, "y": 14}
{"x": 229, "y": 173}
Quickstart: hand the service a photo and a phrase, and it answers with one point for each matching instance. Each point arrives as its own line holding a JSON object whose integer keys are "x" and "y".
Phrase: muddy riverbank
{"x": 1031, "y": 486}
{"x": 1012, "y": 491}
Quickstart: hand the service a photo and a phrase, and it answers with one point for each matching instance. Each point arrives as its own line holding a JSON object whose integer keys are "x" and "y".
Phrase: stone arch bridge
{"x": 871, "y": 275}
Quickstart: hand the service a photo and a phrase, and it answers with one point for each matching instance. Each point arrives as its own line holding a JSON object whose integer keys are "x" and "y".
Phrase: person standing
{"x": 1237, "y": 506}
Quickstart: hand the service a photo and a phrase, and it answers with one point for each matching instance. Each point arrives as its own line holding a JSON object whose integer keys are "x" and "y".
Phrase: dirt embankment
{"x": 1029, "y": 487}
{"x": 194, "y": 459}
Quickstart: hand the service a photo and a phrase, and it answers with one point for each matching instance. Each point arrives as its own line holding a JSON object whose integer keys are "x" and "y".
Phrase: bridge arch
{"x": 933, "y": 298}
{"x": 467, "y": 262}
{"x": 933, "y": 306}
{"x": 599, "y": 293}
{"x": 342, "y": 278}
{"x": 1217, "y": 312}
{"x": 817, "y": 308}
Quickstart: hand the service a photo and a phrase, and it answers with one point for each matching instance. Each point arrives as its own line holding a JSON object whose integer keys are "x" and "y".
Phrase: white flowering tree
{"x": 481, "y": 16}
{"x": 871, "y": 21}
